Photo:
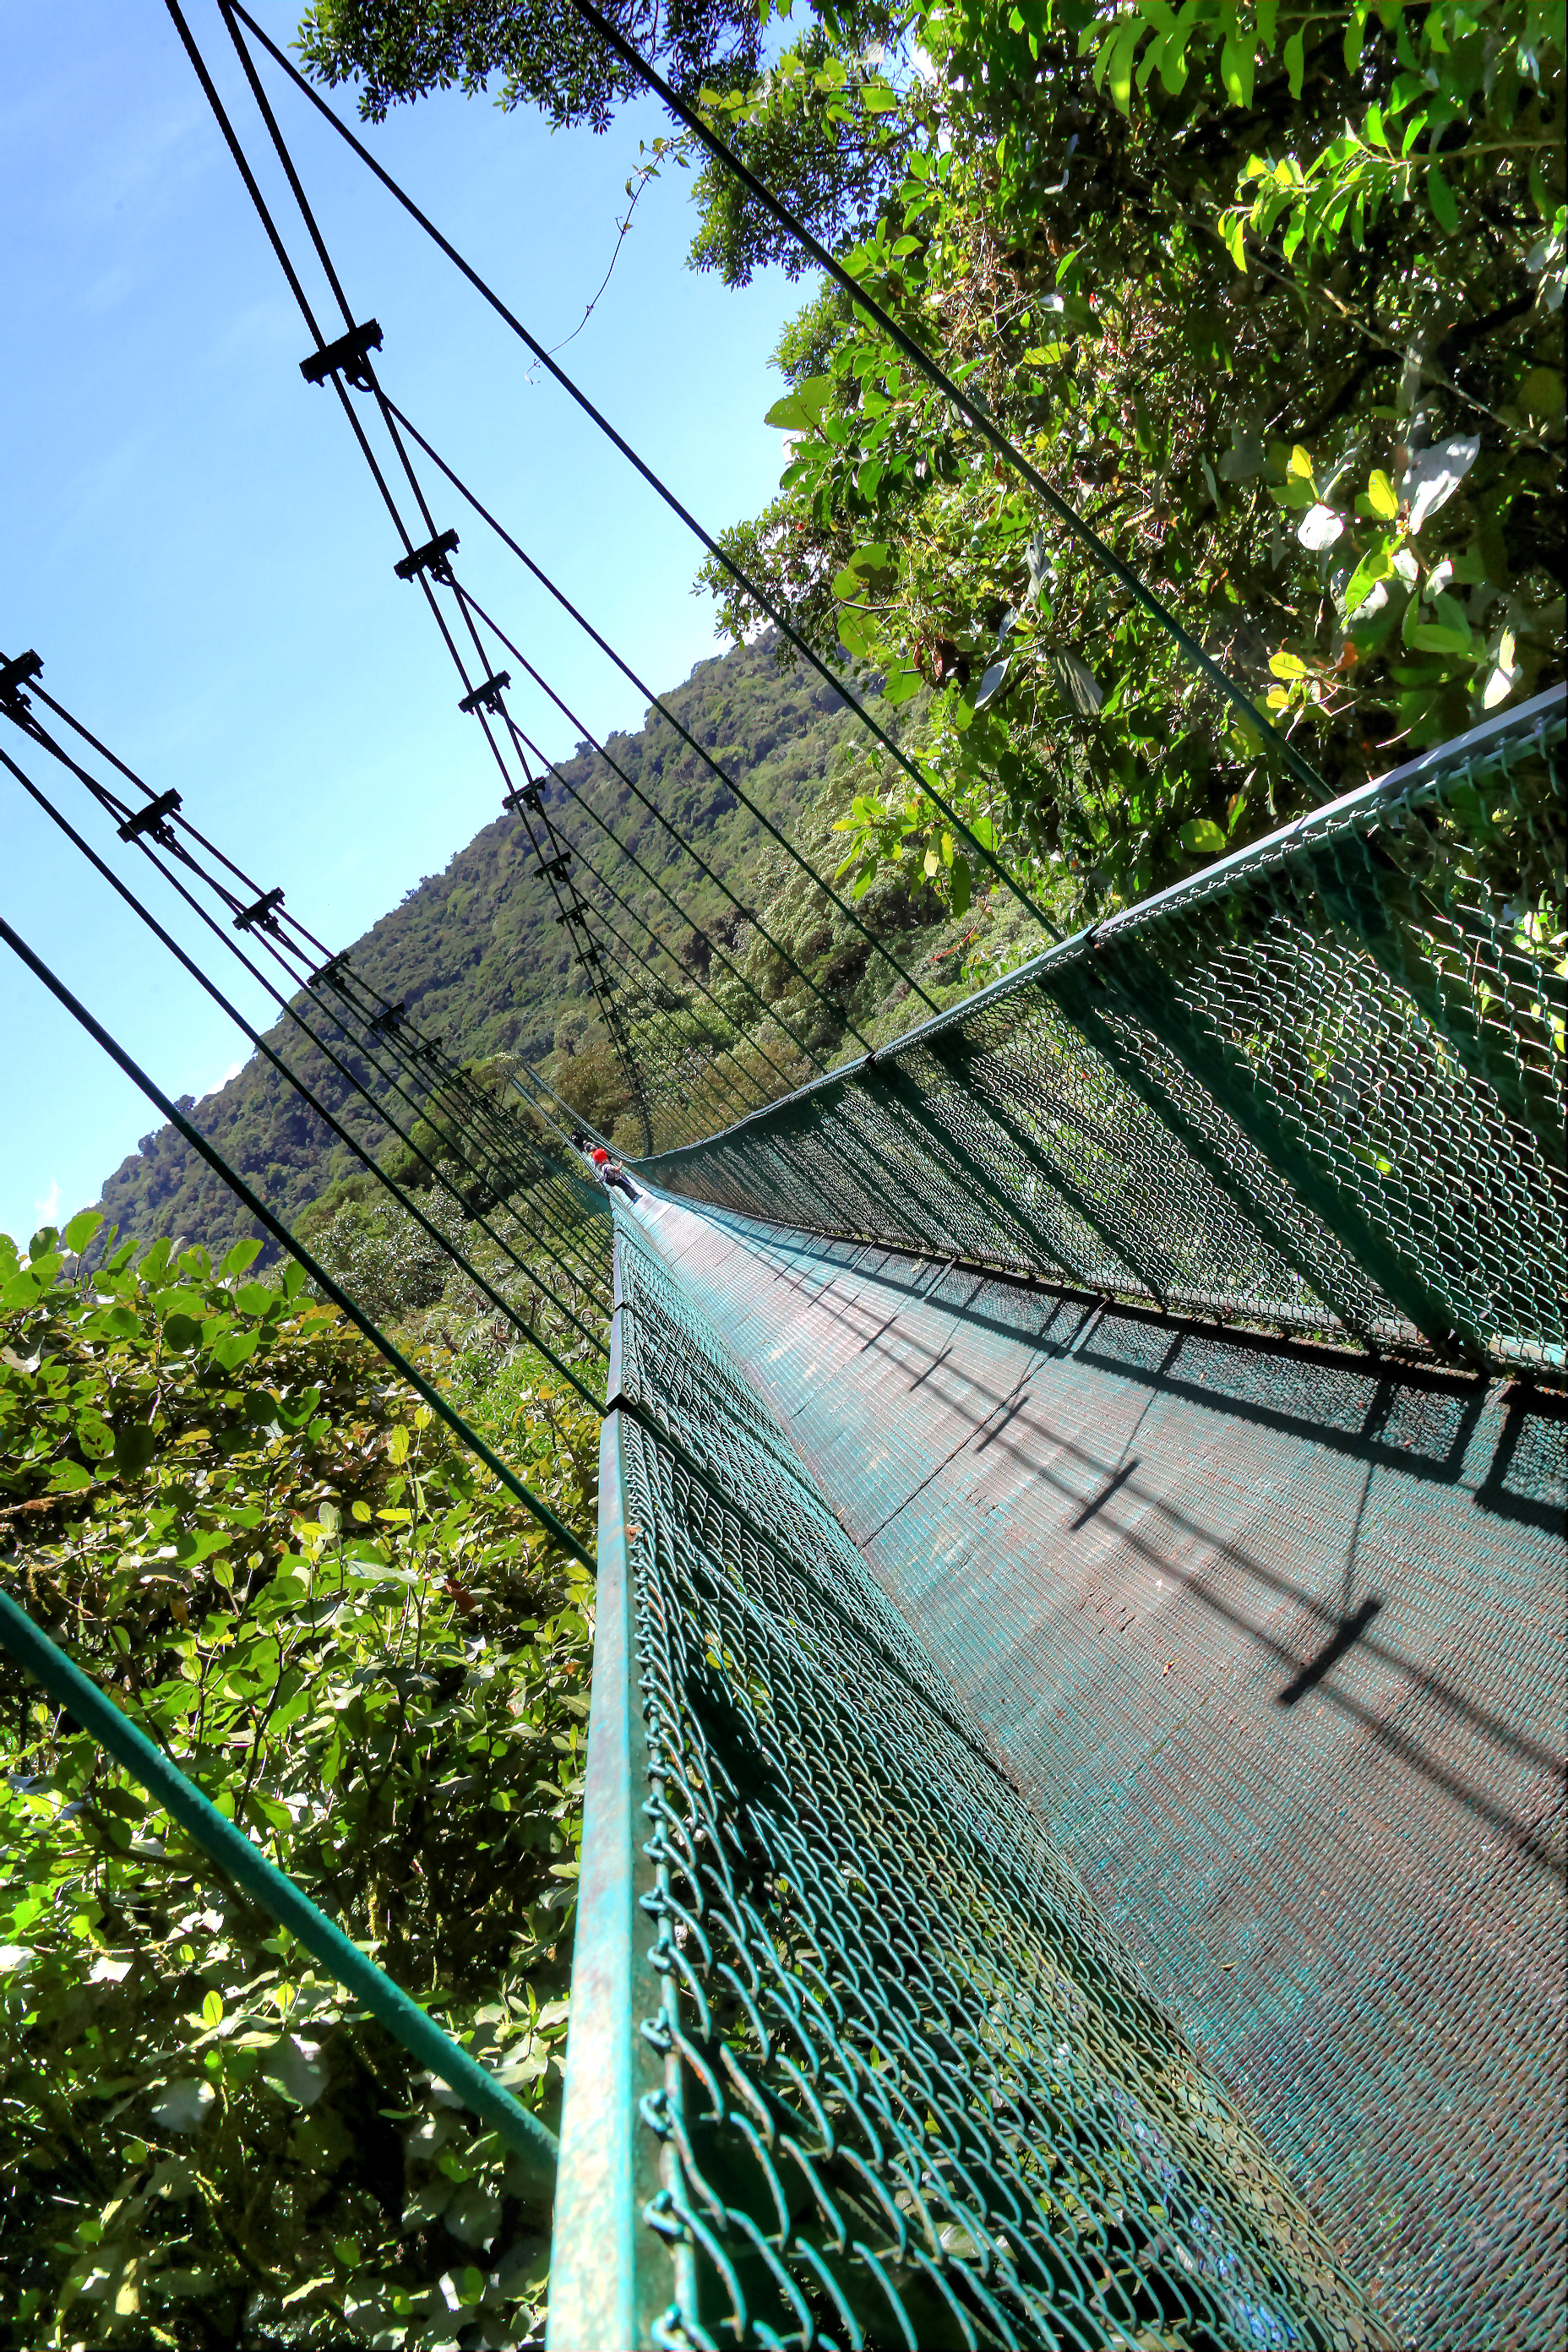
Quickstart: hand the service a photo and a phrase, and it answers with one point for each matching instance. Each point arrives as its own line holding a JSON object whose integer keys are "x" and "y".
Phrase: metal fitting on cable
{"x": 333, "y": 970}
{"x": 14, "y": 676}
{"x": 527, "y": 796}
{"x": 153, "y": 819}
{"x": 556, "y": 865}
{"x": 487, "y": 697}
{"x": 263, "y": 915}
{"x": 431, "y": 558}
{"x": 347, "y": 356}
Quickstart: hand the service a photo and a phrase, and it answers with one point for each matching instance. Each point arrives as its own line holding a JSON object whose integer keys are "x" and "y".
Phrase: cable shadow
{"x": 1379, "y": 1391}
{"x": 1276, "y": 1360}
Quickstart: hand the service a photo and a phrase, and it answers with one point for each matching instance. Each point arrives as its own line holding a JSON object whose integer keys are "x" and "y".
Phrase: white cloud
{"x": 46, "y": 1207}
{"x": 232, "y": 1072}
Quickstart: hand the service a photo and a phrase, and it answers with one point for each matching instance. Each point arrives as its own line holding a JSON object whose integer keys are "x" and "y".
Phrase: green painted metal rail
{"x": 896, "y": 2081}
{"x": 276, "y": 1894}
{"x": 1319, "y": 1086}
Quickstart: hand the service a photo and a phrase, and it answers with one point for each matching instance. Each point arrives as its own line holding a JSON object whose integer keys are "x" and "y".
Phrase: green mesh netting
{"x": 1319, "y": 1086}
{"x": 916, "y": 2092}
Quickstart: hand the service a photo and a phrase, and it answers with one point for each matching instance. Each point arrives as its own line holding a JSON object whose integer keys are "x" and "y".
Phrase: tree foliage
{"x": 270, "y": 1554}
{"x": 1272, "y": 295}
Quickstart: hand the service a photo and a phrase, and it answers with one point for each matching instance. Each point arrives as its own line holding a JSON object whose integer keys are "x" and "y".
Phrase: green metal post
{"x": 611, "y": 2278}
{"x": 277, "y": 1895}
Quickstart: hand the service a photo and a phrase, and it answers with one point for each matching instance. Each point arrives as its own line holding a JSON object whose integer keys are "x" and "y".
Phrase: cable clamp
{"x": 349, "y": 354}
{"x": 263, "y": 915}
{"x": 153, "y": 819}
{"x": 430, "y": 558}
{"x": 589, "y": 955}
{"x": 487, "y": 697}
{"x": 578, "y": 914}
{"x": 333, "y": 970}
{"x": 556, "y": 865}
{"x": 525, "y": 796}
{"x": 14, "y": 676}
{"x": 389, "y": 1018}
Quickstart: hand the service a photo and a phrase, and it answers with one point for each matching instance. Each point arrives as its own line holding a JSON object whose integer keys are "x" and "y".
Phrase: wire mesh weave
{"x": 1319, "y": 1086}
{"x": 916, "y": 2092}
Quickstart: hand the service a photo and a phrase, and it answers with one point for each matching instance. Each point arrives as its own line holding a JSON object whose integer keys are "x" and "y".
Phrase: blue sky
{"x": 195, "y": 547}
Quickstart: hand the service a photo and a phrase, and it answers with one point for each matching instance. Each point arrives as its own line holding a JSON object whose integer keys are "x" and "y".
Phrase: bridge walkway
{"x": 1270, "y": 1638}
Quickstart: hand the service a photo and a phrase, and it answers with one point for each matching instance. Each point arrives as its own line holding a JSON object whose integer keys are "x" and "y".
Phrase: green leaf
{"x": 1440, "y": 196}
{"x": 960, "y": 883}
{"x": 69, "y": 1477}
{"x": 181, "y": 1331}
{"x": 1237, "y": 64}
{"x": 1113, "y": 66}
{"x": 1380, "y": 496}
{"x": 854, "y": 633}
{"x": 212, "y": 2010}
{"x": 878, "y": 98}
{"x": 800, "y": 411}
{"x": 234, "y": 1348}
{"x": 901, "y": 686}
{"x": 135, "y": 1443}
{"x": 81, "y": 1229}
{"x": 1201, "y": 836}
{"x": 1431, "y": 637}
{"x": 1375, "y": 564}
{"x": 1296, "y": 62}
{"x": 243, "y": 1254}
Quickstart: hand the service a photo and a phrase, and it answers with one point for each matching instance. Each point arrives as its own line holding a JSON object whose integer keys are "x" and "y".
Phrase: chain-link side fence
{"x": 902, "y": 2085}
{"x": 1318, "y": 1087}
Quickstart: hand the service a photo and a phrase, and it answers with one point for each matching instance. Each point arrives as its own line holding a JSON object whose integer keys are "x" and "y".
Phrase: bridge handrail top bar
{"x": 1527, "y": 719}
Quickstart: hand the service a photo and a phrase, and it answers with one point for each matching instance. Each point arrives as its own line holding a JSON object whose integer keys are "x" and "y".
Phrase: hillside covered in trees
{"x": 477, "y": 958}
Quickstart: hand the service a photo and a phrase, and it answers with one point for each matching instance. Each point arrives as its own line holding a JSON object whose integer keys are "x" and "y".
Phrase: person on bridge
{"x": 608, "y": 1171}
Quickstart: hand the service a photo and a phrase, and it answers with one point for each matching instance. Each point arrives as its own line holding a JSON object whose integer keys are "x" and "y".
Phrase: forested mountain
{"x": 477, "y": 958}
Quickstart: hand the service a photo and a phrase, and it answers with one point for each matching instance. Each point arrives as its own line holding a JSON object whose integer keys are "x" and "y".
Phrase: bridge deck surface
{"x": 1272, "y": 1640}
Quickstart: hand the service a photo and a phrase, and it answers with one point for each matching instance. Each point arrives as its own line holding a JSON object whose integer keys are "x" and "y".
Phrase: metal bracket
{"x": 487, "y": 697}
{"x": 349, "y": 354}
{"x": 333, "y": 970}
{"x": 556, "y": 865}
{"x": 263, "y": 914}
{"x": 153, "y": 819}
{"x": 431, "y": 557}
{"x": 14, "y": 676}
{"x": 389, "y": 1018}
{"x": 526, "y": 796}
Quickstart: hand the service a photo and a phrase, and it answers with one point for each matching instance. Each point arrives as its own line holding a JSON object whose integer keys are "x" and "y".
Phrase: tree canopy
{"x": 212, "y": 1492}
{"x": 1273, "y": 295}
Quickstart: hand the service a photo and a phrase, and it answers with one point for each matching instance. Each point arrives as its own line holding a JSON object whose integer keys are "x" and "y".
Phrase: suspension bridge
{"x": 1073, "y": 1850}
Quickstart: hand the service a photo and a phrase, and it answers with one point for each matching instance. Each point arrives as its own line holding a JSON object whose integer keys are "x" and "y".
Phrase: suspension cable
{"x": 606, "y": 1010}
{"x": 40, "y": 735}
{"x": 659, "y": 818}
{"x": 345, "y": 1136}
{"x": 988, "y": 857}
{"x": 964, "y": 402}
{"x": 461, "y": 1428}
{"x": 655, "y": 702}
